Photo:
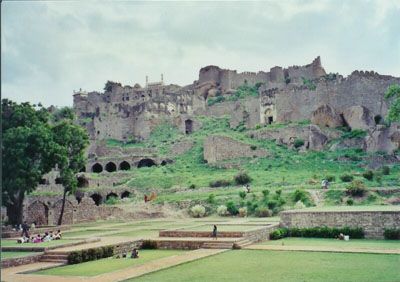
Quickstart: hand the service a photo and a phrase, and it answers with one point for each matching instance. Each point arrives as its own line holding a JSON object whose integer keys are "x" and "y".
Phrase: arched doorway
{"x": 82, "y": 182}
{"x": 125, "y": 194}
{"x": 124, "y": 166}
{"x": 188, "y": 126}
{"x": 146, "y": 163}
{"x": 97, "y": 168}
{"x": 97, "y": 198}
{"x": 111, "y": 167}
{"x": 111, "y": 195}
{"x": 38, "y": 213}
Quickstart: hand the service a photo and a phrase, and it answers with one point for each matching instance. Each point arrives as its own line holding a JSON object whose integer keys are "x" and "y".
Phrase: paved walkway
{"x": 322, "y": 249}
{"x": 14, "y": 274}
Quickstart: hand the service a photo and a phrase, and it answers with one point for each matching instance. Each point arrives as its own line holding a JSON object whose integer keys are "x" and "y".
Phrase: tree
{"x": 63, "y": 113}
{"x": 73, "y": 139}
{"x": 28, "y": 152}
{"x": 393, "y": 91}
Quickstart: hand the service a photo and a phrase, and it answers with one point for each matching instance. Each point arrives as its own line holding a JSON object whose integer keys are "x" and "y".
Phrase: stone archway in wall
{"x": 124, "y": 166}
{"x": 146, "y": 163}
{"x": 97, "y": 168}
{"x": 188, "y": 126}
{"x": 97, "y": 198}
{"x": 68, "y": 217}
{"x": 111, "y": 167}
{"x": 38, "y": 213}
{"x": 111, "y": 195}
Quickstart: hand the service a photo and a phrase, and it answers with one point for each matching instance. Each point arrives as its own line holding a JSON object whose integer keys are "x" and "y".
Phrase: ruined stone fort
{"x": 292, "y": 94}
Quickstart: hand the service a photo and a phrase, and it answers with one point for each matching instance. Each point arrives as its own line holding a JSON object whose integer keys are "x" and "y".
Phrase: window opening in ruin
{"x": 97, "y": 168}
{"x": 97, "y": 198}
{"x": 98, "y": 132}
{"x": 83, "y": 169}
{"x": 270, "y": 120}
{"x": 146, "y": 163}
{"x": 78, "y": 199}
{"x": 124, "y": 166}
{"x": 58, "y": 180}
{"x": 125, "y": 194}
{"x": 378, "y": 119}
{"x": 188, "y": 126}
{"x": 111, "y": 167}
{"x": 43, "y": 181}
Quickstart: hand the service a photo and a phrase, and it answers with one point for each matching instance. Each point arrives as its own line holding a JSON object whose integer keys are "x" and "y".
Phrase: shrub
{"x": 350, "y": 202}
{"x": 231, "y": 207}
{"x": 392, "y": 233}
{"x": 298, "y": 143}
{"x": 75, "y": 257}
{"x": 192, "y": 186}
{"x": 385, "y": 170}
{"x": 253, "y": 147}
{"x": 242, "y": 178}
{"x": 211, "y": 199}
{"x": 198, "y": 211}
{"x": 243, "y": 212}
{"x": 326, "y": 232}
{"x": 242, "y": 194}
{"x": 299, "y": 205}
{"x": 222, "y": 210}
{"x": 356, "y": 133}
{"x": 369, "y": 175}
{"x": 89, "y": 255}
{"x": 149, "y": 244}
{"x": 212, "y": 101}
{"x": 279, "y": 234}
{"x": 346, "y": 178}
{"x": 272, "y": 204}
{"x": 300, "y": 195}
{"x": 356, "y": 188}
{"x": 265, "y": 193}
{"x": 111, "y": 201}
{"x": 330, "y": 178}
{"x": 220, "y": 183}
{"x": 263, "y": 212}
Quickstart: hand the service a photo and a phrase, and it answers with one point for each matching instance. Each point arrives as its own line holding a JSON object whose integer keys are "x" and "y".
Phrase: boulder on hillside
{"x": 316, "y": 138}
{"x": 383, "y": 139}
{"x": 358, "y": 117}
{"x": 327, "y": 116}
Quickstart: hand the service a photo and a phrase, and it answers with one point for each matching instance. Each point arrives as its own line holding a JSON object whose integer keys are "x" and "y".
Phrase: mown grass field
{"x": 7, "y": 255}
{"x": 252, "y": 265}
{"x": 101, "y": 266}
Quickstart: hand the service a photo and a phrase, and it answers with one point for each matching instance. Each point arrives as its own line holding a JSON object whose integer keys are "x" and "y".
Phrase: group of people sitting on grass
{"x": 134, "y": 254}
{"x": 47, "y": 237}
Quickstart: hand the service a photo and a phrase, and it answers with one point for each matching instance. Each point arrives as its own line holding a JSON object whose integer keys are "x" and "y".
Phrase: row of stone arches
{"x": 99, "y": 199}
{"x": 124, "y": 165}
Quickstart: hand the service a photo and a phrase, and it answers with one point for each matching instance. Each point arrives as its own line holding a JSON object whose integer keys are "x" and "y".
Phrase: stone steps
{"x": 242, "y": 243}
{"x": 217, "y": 245}
{"x": 55, "y": 257}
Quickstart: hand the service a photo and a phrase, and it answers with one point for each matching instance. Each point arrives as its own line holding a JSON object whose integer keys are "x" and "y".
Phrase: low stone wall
{"x": 180, "y": 245}
{"x": 127, "y": 247}
{"x": 261, "y": 234}
{"x": 372, "y": 222}
{"x": 202, "y": 234}
{"x": 20, "y": 261}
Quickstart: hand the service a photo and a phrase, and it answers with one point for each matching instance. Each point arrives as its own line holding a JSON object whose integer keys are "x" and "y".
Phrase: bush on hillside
{"x": 242, "y": 178}
{"x": 300, "y": 195}
{"x": 299, "y": 205}
{"x": 385, "y": 170}
{"x": 349, "y": 202}
{"x": 222, "y": 210}
{"x": 232, "y": 208}
{"x": 330, "y": 178}
{"x": 346, "y": 177}
{"x": 298, "y": 143}
{"x": 263, "y": 212}
{"x": 111, "y": 201}
{"x": 369, "y": 175}
{"x": 198, "y": 211}
{"x": 356, "y": 188}
{"x": 265, "y": 193}
{"x": 211, "y": 199}
{"x": 279, "y": 234}
{"x": 242, "y": 194}
{"x": 243, "y": 212}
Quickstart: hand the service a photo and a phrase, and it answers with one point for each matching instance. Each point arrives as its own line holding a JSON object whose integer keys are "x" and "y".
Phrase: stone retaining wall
{"x": 372, "y": 222}
{"x": 11, "y": 262}
{"x": 202, "y": 234}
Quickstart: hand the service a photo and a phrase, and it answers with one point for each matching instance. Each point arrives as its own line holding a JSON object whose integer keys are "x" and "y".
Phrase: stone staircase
{"x": 217, "y": 245}
{"x": 58, "y": 257}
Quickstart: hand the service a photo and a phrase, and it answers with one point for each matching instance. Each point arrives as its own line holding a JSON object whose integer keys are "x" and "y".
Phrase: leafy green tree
{"x": 28, "y": 152}
{"x": 63, "y": 113}
{"x": 393, "y": 91}
{"x": 73, "y": 139}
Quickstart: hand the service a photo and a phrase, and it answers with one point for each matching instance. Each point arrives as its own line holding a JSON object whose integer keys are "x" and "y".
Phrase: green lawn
{"x": 249, "y": 265}
{"x": 226, "y": 227}
{"x": 87, "y": 233}
{"x": 135, "y": 233}
{"x": 97, "y": 267}
{"x": 13, "y": 243}
{"x": 6, "y": 255}
{"x": 354, "y": 243}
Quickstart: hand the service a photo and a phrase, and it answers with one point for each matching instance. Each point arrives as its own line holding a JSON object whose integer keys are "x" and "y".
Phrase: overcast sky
{"x": 51, "y": 48}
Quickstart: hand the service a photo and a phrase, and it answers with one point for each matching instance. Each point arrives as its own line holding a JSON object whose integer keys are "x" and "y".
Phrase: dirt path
{"x": 322, "y": 249}
{"x": 14, "y": 274}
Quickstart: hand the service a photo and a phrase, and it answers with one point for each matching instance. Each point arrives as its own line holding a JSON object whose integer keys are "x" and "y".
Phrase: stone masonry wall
{"x": 372, "y": 222}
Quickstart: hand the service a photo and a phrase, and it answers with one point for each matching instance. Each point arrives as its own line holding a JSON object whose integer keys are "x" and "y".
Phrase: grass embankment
{"x": 101, "y": 266}
{"x": 249, "y": 265}
{"x": 13, "y": 243}
{"x": 7, "y": 255}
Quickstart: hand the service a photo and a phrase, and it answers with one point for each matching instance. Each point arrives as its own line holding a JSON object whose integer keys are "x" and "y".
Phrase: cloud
{"x": 51, "y": 48}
